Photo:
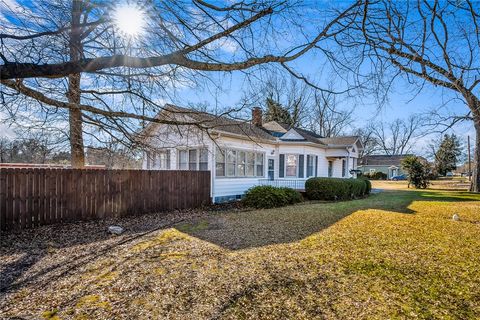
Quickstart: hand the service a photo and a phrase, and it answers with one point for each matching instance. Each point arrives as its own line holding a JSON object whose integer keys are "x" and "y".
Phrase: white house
{"x": 242, "y": 154}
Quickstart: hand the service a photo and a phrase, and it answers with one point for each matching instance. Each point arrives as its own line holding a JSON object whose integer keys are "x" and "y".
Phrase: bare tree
{"x": 369, "y": 141}
{"x": 434, "y": 43}
{"x": 326, "y": 117}
{"x": 115, "y": 82}
{"x": 286, "y": 98}
{"x": 113, "y": 156}
{"x": 34, "y": 148}
{"x": 297, "y": 103}
{"x": 398, "y": 136}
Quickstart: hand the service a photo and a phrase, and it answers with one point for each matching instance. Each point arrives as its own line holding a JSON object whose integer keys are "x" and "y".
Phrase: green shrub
{"x": 357, "y": 187}
{"x": 377, "y": 175}
{"x": 368, "y": 185}
{"x": 335, "y": 188}
{"x": 270, "y": 197}
{"x": 292, "y": 196}
{"x": 418, "y": 171}
{"x": 326, "y": 189}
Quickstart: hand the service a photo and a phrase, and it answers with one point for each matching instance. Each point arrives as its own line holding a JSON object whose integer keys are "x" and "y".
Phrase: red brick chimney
{"x": 257, "y": 116}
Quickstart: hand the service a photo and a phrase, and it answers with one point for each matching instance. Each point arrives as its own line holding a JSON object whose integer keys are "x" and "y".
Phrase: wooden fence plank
{"x": 23, "y": 198}
{"x": 16, "y": 196}
{"x": 39, "y": 196}
{"x": 9, "y": 199}
{"x": 30, "y": 217}
{"x": 3, "y": 202}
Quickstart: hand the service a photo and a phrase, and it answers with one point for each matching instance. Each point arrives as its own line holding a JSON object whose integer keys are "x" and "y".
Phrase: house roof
{"x": 340, "y": 141}
{"x": 309, "y": 136}
{"x": 223, "y": 123}
{"x": 383, "y": 160}
{"x": 269, "y": 131}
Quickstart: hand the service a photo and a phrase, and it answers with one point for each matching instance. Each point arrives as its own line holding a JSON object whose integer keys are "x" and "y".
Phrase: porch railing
{"x": 297, "y": 184}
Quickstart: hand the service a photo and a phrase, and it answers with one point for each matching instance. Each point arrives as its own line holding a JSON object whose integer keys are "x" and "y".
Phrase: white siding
{"x": 233, "y": 186}
{"x": 173, "y": 138}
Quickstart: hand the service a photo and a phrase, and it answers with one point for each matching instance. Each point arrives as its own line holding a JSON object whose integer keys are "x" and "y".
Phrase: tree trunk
{"x": 75, "y": 121}
{"x": 73, "y": 94}
{"x": 475, "y": 187}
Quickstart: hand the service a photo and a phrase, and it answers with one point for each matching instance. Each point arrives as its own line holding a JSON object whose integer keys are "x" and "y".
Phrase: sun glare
{"x": 130, "y": 20}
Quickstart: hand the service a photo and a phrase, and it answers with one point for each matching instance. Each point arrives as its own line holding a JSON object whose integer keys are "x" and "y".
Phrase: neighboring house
{"x": 391, "y": 165}
{"x": 242, "y": 154}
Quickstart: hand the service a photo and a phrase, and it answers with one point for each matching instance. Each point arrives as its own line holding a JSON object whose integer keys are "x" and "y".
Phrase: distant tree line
{"x": 31, "y": 150}
{"x": 39, "y": 150}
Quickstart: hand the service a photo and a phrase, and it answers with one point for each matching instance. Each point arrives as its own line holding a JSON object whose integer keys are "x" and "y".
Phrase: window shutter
{"x": 301, "y": 168}
{"x": 281, "y": 167}
{"x": 316, "y": 166}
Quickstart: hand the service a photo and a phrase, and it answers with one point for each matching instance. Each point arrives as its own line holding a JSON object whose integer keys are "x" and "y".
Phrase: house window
{"x": 344, "y": 168}
{"x": 163, "y": 160}
{"x": 259, "y": 164}
{"x": 330, "y": 169}
{"x": 236, "y": 163}
{"x": 231, "y": 161}
{"x": 250, "y": 168}
{"x": 193, "y": 159}
{"x": 220, "y": 163}
{"x": 183, "y": 159}
{"x": 203, "y": 159}
{"x": 310, "y": 165}
{"x": 291, "y": 164}
{"x": 240, "y": 163}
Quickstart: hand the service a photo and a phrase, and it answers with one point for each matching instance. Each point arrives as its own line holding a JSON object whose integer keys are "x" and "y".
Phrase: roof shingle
{"x": 271, "y": 131}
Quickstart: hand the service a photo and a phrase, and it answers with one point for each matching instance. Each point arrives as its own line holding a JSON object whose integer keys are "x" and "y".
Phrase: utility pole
{"x": 469, "y": 166}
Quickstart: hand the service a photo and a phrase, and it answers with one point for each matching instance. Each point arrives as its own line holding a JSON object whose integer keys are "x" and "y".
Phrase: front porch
{"x": 297, "y": 184}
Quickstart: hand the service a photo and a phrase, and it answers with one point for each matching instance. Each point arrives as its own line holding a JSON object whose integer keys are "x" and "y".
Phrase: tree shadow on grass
{"x": 23, "y": 254}
{"x": 257, "y": 228}
{"x": 62, "y": 248}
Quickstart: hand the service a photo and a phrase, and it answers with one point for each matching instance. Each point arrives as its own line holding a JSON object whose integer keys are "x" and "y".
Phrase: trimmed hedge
{"x": 378, "y": 175}
{"x": 336, "y": 188}
{"x": 270, "y": 197}
{"x": 368, "y": 183}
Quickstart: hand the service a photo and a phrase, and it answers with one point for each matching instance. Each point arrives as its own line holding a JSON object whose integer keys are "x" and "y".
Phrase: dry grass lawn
{"x": 394, "y": 255}
{"x": 457, "y": 183}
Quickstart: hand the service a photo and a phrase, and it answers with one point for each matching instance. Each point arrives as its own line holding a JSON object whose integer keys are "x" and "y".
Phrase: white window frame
{"x": 166, "y": 160}
{"x": 188, "y": 164}
{"x": 312, "y": 157}
{"x": 287, "y": 155}
{"x": 237, "y": 166}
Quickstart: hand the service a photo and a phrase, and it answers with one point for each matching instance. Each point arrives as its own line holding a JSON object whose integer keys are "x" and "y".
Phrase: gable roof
{"x": 309, "y": 136}
{"x": 340, "y": 141}
{"x": 222, "y": 123}
{"x": 383, "y": 160}
{"x": 272, "y": 130}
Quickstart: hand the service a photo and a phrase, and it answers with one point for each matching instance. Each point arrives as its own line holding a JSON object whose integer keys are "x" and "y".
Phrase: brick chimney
{"x": 257, "y": 116}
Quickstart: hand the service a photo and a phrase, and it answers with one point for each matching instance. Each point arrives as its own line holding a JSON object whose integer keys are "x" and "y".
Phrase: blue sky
{"x": 402, "y": 103}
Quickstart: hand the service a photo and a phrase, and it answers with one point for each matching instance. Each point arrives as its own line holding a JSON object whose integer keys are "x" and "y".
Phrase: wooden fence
{"x": 31, "y": 197}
